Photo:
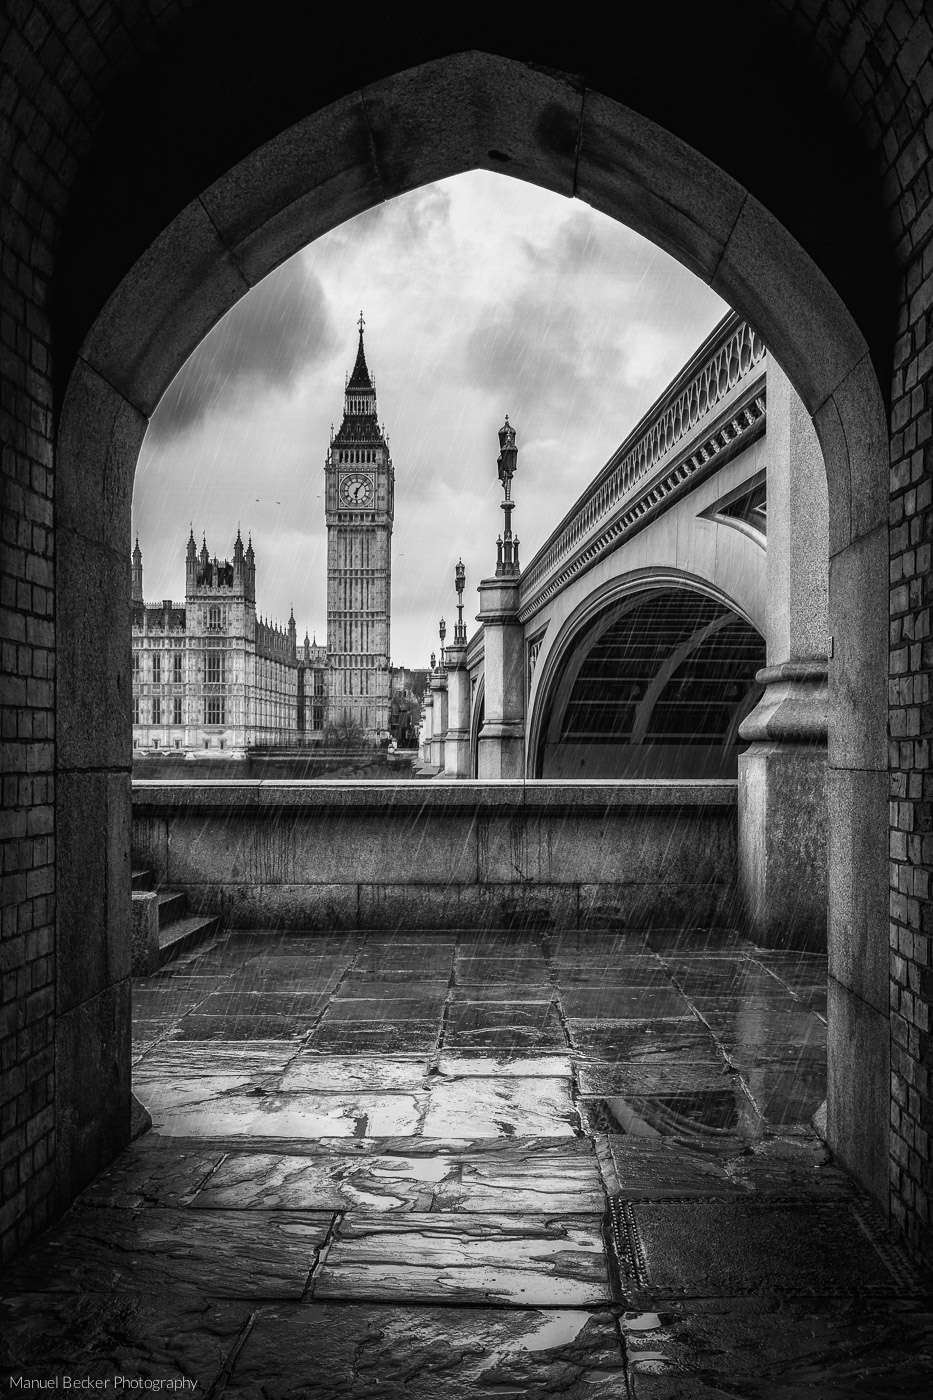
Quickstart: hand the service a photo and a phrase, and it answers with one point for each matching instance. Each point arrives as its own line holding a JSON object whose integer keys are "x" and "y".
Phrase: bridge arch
{"x": 706, "y": 611}
{"x": 374, "y": 142}
{"x": 477, "y": 715}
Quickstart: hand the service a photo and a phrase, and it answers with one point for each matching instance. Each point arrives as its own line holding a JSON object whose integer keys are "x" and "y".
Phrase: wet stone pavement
{"x": 472, "y": 1165}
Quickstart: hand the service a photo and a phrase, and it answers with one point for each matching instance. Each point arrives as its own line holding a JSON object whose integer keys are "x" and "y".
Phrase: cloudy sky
{"x": 482, "y": 295}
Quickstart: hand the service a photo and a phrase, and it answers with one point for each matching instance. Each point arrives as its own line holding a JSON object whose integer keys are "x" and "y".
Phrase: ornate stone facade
{"x": 209, "y": 676}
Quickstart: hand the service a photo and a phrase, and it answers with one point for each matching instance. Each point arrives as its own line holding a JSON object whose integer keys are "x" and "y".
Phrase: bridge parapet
{"x": 341, "y": 854}
{"x": 715, "y": 407}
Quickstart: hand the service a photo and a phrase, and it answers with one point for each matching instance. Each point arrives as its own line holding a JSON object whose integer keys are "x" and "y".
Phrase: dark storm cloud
{"x": 531, "y": 353}
{"x": 278, "y": 330}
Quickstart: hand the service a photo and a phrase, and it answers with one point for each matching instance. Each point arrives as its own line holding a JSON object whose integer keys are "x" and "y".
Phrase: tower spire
{"x": 360, "y": 381}
{"x": 136, "y": 593}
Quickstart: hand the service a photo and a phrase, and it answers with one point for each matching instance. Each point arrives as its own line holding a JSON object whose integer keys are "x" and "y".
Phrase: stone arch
{"x": 681, "y": 682}
{"x": 603, "y": 602}
{"x": 544, "y": 127}
{"x": 477, "y": 715}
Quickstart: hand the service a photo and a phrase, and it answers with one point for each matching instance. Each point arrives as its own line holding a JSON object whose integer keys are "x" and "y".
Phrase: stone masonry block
{"x": 144, "y": 932}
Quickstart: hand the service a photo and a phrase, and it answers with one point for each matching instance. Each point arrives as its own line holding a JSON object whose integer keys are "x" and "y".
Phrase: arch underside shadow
{"x": 374, "y": 143}
{"x": 655, "y": 686}
{"x": 605, "y": 602}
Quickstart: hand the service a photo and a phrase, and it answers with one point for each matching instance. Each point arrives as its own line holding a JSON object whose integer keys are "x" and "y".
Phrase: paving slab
{"x": 245, "y": 1058}
{"x": 786, "y": 1094}
{"x": 506, "y": 1106}
{"x": 201, "y": 1094}
{"x": 755, "y": 1025}
{"x": 787, "y": 1349}
{"x": 670, "y": 1168}
{"x": 528, "y": 1025}
{"x": 376, "y": 1182}
{"x": 95, "y": 1336}
{"x": 305, "y": 981}
{"x": 360, "y": 1351}
{"x": 695, "y": 1113}
{"x": 287, "y": 1004}
{"x": 152, "y": 1171}
{"x": 613, "y": 1003}
{"x": 368, "y": 1037}
{"x": 196, "y": 1026}
{"x": 390, "y": 987}
{"x": 559, "y": 1175}
{"x": 729, "y": 979}
{"x": 649, "y": 1042}
{"x": 164, "y": 1003}
{"x": 422, "y": 960}
{"x": 307, "y": 1115}
{"x": 222, "y": 1254}
{"x": 334, "y": 1074}
{"x": 503, "y": 991}
{"x": 530, "y": 1260}
{"x": 699, "y": 943}
{"x": 484, "y": 971}
{"x": 567, "y": 945}
{"x": 618, "y": 972}
{"x": 495, "y": 943}
{"x": 597, "y": 1079}
{"x": 394, "y": 1010}
{"x": 463, "y": 1064}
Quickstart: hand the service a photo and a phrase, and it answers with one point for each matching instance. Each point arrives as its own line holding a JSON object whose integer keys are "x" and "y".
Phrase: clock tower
{"x": 359, "y": 485}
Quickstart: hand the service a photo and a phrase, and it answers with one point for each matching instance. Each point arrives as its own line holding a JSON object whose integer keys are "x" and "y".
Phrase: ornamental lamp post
{"x": 507, "y": 557}
{"x": 460, "y": 584}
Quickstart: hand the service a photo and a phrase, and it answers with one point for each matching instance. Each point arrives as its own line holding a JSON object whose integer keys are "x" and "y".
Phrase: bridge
{"x": 673, "y": 626}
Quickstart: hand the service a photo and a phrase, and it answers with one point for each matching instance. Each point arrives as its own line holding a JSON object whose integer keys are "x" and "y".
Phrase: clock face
{"x": 357, "y": 490}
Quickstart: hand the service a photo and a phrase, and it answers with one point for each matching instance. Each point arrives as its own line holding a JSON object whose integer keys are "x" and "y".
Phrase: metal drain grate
{"x": 710, "y": 1248}
{"x": 628, "y": 1247}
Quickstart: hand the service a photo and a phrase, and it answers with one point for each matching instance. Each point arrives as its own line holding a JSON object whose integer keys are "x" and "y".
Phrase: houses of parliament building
{"x": 211, "y": 675}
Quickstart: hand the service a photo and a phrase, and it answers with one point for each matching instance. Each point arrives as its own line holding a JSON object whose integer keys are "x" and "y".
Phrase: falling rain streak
{"x": 482, "y": 293}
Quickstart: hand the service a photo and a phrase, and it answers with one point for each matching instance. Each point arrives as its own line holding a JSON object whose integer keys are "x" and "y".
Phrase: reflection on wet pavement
{"x": 478, "y": 1164}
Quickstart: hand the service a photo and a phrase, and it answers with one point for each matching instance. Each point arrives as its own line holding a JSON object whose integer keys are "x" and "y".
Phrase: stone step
{"x": 182, "y": 934}
{"x": 141, "y": 880}
{"x": 173, "y": 904}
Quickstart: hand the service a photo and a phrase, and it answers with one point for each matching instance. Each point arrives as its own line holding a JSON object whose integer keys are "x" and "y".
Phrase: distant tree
{"x": 344, "y": 734}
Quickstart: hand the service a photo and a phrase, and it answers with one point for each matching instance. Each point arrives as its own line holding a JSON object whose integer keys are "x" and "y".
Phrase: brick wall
{"x": 904, "y": 99}
{"x": 27, "y": 653}
{"x": 51, "y": 61}
{"x": 879, "y": 59}
{"x": 59, "y": 63}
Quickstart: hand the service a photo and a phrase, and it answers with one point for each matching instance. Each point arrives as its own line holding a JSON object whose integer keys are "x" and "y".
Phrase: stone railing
{"x": 716, "y": 403}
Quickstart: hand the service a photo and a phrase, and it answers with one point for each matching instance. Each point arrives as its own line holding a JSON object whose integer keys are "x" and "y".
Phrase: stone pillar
{"x": 427, "y": 728}
{"x": 457, "y": 747}
{"x": 782, "y": 774}
{"x": 502, "y": 737}
{"x": 439, "y": 735}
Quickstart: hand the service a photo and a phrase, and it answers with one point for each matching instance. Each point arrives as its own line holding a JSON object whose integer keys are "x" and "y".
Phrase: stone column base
{"x": 782, "y": 844}
{"x": 456, "y": 754}
{"x": 501, "y": 751}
